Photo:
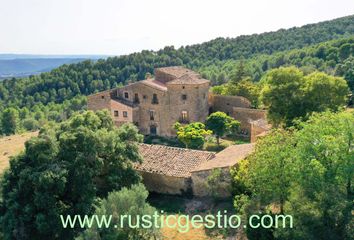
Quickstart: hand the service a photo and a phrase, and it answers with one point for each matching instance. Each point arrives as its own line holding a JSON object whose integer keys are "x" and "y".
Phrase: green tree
{"x": 324, "y": 92}
{"x": 63, "y": 171}
{"x": 322, "y": 189}
{"x": 307, "y": 173}
{"x": 192, "y": 135}
{"x": 10, "y": 121}
{"x": 220, "y": 123}
{"x": 244, "y": 88}
{"x": 282, "y": 95}
{"x": 128, "y": 201}
{"x": 288, "y": 95}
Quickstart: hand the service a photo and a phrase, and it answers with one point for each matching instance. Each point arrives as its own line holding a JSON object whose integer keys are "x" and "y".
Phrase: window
{"x": 183, "y": 87}
{"x": 125, "y": 114}
{"x": 153, "y": 130}
{"x": 152, "y": 115}
{"x": 204, "y": 95}
{"x": 145, "y": 97}
{"x": 154, "y": 99}
{"x": 102, "y": 97}
{"x": 184, "y": 117}
{"x": 126, "y": 95}
{"x": 184, "y": 96}
{"x": 136, "y": 98}
{"x": 116, "y": 114}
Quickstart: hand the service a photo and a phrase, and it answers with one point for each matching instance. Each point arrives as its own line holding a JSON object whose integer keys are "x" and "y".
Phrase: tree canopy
{"x": 63, "y": 171}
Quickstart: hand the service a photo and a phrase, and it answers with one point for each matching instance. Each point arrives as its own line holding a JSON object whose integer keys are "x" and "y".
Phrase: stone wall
{"x": 99, "y": 101}
{"x": 162, "y": 76}
{"x": 200, "y": 186}
{"x": 195, "y": 104}
{"x": 121, "y": 108}
{"x": 145, "y": 106}
{"x": 227, "y": 103}
{"x": 246, "y": 115}
{"x": 258, "y": 129}
{"x": 166, "y": 184}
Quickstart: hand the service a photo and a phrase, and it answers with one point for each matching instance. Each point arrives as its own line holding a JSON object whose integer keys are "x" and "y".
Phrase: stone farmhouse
{"x": 176, "y": 94}
{"x": 181, "y": 171}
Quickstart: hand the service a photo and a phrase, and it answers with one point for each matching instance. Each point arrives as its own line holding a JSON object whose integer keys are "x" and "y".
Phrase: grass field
{"x": 12, "y": 145}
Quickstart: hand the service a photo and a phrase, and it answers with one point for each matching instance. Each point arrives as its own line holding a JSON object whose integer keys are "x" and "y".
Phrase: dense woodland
{"x": 88, "y": 77}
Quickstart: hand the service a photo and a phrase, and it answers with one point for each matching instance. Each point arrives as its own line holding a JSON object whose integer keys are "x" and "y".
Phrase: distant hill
{"x": 20, "y": 65}
{"x": 268, "y": 50}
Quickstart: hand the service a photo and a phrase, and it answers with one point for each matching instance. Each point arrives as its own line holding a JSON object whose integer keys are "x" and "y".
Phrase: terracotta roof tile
{"x": 171, "y": 161}
{"x": 227, "y": 157}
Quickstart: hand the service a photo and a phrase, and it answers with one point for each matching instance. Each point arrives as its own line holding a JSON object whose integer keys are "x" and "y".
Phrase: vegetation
{"x": 192, "y": 135}
{"x": 220, "y": 124}
{"x": 306, "y": 173}
{"x": 128, "y": 201}
{"x": 214, "y": 59}
{"x": 288, "y": 95}
{"x": 63, "y": 171}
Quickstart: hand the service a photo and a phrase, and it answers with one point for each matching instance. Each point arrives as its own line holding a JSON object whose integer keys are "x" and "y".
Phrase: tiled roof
{"x": 188, "y": 79}
{"x": 227, "y": 157}
{"x": 155, "y": 84}
{"x": 176, "y": 71}
{"x": 171, "y": 161}
{"x": 182, "y": 75}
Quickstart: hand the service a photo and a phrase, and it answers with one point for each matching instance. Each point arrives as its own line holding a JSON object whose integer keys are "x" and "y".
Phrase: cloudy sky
{"x": 116, "y": 27}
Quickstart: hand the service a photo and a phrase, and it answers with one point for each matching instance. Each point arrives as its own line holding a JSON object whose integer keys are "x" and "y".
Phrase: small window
{"x": 125, "y": 114}
{"x": 102, "y": 97}
{"x": 116, "y": 114}
{"x": 184, "y": 117}
{"x": 136, "y": 98}
{"x": 126, "y": 95}
{"x": 152, "y": 115}
{"x": 228, "y": 104}
{"x": 184, "y": 96}
{"x": 183, "y": 87}
{"x": 145, "y": 97}
{"x": 154, "y": 99}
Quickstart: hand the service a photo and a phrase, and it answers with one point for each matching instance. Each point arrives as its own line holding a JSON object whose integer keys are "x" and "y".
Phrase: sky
{"x": 115, "y": 27}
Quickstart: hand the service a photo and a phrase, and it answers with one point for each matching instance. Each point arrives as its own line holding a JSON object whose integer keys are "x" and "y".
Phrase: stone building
{"x": 176, "y": 94}
{"x": 181, "y": 171}
{"x": 154, "y": 105}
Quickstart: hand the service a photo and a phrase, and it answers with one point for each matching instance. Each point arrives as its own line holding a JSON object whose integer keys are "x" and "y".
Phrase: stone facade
{"x": 246, "y": 116}
{"x": 176, "y": 94}
{"x": 181, "y": 171}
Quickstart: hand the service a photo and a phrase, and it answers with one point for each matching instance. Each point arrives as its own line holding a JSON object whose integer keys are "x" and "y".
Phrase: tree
{"x": 239, "y": 74}
{"x": 288, "y": 95}
{"x": 128, "y": 201}
{"x": 220, "y": 123}
{"x": 324, "y": 92}
{"x": 282, "y": 95}
{"x": 305, "y": 173}
{"x": 244, "y": 88}
{"x": 63, "y": 171}
{"x": 192, "y": 135}
{"x": 322, "y": 189}
{"x": 10, "y": 121}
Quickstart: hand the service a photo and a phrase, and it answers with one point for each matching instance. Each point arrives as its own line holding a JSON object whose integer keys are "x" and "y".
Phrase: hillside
{"x": 26, "y": 67}
{"x": 87, "y": 77}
